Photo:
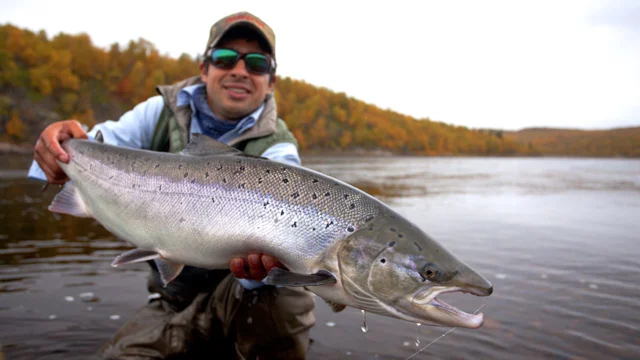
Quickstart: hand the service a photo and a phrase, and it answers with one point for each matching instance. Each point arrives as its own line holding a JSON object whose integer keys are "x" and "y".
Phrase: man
{"x": 219, "y": 314}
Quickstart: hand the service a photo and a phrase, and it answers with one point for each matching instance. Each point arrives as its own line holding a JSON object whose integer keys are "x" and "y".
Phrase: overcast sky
{"x": 490, "y": 64}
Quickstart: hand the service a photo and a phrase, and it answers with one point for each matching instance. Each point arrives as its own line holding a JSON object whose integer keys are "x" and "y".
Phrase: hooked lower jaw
{"x": 441, "y": 312}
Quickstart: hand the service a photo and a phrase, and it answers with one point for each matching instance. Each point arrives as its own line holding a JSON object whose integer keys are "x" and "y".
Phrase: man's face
{"x": 235, "y": 93}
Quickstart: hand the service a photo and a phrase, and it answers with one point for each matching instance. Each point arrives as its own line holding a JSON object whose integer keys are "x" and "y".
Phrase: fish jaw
{"x": 425, "y": 303}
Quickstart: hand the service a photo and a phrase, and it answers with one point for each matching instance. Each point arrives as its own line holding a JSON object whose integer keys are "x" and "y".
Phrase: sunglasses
{"x": 255, "y": 63}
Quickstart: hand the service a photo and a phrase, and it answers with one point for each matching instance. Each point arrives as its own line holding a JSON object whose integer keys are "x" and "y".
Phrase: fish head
{"x": 391, "y": 267}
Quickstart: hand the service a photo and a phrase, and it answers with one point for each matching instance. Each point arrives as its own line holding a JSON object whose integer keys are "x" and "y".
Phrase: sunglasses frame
{"x": 242, "y": 56}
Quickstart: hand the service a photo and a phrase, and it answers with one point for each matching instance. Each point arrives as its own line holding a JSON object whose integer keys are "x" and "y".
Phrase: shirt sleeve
{"x": 284, "y": 152}
{"x": 134, "y": 129}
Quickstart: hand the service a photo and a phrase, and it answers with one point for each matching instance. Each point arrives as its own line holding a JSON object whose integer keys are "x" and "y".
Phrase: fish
{"x": 211, "y": 202}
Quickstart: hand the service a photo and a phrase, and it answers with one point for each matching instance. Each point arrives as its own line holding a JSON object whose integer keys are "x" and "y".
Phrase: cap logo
{"x": 245, "y": 18}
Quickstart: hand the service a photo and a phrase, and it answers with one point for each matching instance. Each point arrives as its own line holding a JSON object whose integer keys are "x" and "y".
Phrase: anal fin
{"x": 133, "y": 256}
{"x": 168, "y": 270}
{"x": 278, "y": 276}
{"x": 69, "y": 201}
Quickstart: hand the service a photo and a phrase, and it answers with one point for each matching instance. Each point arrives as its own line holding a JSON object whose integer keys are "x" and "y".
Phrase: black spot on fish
{"x": 418, "y": 246}
{"x": 282, "y": 213}
{"x": 383, "y": 260}
{"x": 186, "y": 174}
{"x": 193, "y": 181}
{"x": 392, "y": 229}
{"x": 329, "y": 224}
{"x": 160, "y": 188}
{"x": 369, "y": 218}
{"x": 241, "y": 186}
{"x": 179, "y": 166}
{"x": 314, "y": 229}
{"x": 295, "y": 195}
{"x": 350, "y": 229}
{"x": 224, "y": 180}
{"x": 285, "y": 180}
{"x": 241, "y": 168}
{"x": 181, "y": 220}
{"x": 206, "y": 174}
{"x": 157, "y": 166}
{"x": 346, "y": 196}
{"x": 266, "y": 203}
{"x": 219, "y": 168}
{"x": 212, "y": 199}
{"x": 352, "y": 206}
{"x": 259, "y": 180}
{"x": 134, "y": 186}
{"x": 400, "y": 236}
{"x": 327, "y": 194}
{"x": 208, "y": 164}
{"x": 315, "y": 181}
{"x": 295, "y": 224}
{"x": 267, "y": 171}
{"x": 110, "y": 177}
{"x": 391, "y": 244}
{"x": 314, "y": 196}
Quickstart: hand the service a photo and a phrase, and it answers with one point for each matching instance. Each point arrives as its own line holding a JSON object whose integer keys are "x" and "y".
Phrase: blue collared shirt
{"x": 136, "y": 127}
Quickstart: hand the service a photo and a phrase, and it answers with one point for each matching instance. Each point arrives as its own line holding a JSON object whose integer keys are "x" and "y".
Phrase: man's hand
{"x": 255, "y": 267}
{"x": 48, "y": 149}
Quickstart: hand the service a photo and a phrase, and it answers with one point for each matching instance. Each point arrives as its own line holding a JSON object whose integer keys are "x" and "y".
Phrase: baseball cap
{"x": 243, "y": 18}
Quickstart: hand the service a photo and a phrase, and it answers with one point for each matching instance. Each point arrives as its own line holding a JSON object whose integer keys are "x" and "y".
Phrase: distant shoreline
{"x": 8, "y": 148}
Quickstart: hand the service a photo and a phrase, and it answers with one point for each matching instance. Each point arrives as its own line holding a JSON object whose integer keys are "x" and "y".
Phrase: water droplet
{"x": 417, "y": 341}
{"x": 330, "y": 324}
{"x": 114, "y": 317}
{"x": 593, "y": 286}
{"x": 418, "y": 324}
{"x": 501, "y": 276}
{"x": 406, "y": 343}
{"x": 52, "y": 317}
{"x": 364, "y": 322}
{"x": 69, "y": 298}
{"x": 249, "y": 320}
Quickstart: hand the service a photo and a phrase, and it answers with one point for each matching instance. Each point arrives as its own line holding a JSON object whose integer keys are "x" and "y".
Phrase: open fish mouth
{"x": 447, "y": 314}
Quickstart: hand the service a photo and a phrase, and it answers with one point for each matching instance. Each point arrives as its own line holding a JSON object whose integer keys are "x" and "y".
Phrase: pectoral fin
{"x": 278, "y": 276}
{"x": 168, "y": 270}
{"x": 133, "y": 256}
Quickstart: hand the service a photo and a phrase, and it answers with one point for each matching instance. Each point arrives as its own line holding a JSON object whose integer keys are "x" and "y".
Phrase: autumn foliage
{"x": 72, "y": 78}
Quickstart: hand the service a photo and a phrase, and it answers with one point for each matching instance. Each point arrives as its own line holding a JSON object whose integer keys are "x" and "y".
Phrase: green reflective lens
{"x": 253, "y": 62}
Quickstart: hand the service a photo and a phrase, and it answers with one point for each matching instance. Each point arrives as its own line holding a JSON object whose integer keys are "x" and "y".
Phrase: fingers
{"x": 48, "y": 164}
{"x": 54, "y": 134}
{"x": 270, "y": 262}
{"x": 238, "y": 269}
{"x": 254, "y": 267}
{"x": 256, "y": 270}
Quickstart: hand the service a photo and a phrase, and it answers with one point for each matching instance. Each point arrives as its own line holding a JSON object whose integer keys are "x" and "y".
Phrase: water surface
{"x": 558, "y": 238}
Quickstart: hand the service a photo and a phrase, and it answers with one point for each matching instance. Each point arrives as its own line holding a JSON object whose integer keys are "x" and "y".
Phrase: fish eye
{"x": 428, "y": 273}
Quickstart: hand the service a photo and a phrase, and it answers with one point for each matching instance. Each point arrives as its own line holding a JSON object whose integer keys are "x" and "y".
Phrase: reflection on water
{"x": 558, "y": 238}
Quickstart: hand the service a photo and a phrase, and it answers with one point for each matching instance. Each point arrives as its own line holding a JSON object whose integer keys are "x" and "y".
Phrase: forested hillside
{"x": 48, "y": 78}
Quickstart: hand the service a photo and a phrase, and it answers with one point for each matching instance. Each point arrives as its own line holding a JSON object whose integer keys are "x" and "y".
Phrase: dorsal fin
{"x": 203, "y": 145}
{"x": 99, "y": 137}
